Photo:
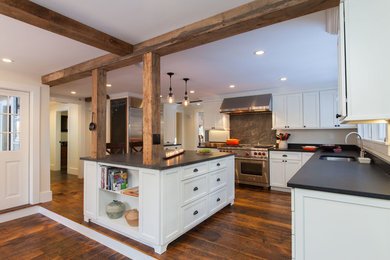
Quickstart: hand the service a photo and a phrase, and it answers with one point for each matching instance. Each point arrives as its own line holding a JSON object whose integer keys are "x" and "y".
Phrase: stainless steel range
{"x": 251, "y": 163}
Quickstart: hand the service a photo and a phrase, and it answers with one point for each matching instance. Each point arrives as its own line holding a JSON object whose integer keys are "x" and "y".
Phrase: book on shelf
{"x": 132, "y": 191}
{"x": 114, "y": 179}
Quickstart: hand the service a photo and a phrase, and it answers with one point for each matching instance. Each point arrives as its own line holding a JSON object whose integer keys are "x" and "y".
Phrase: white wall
{"x": 39, "y": 132}
{"x": 325, "y": 136}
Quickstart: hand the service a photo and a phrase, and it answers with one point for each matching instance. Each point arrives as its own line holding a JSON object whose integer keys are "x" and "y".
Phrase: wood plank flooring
{"x": 39, "y": 237}
{"x": 257, "y": 226}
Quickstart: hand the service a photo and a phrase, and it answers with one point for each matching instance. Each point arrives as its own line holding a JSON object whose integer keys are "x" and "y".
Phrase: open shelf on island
{"x": 119, "y": 224}
{"x": 120, "y": 192}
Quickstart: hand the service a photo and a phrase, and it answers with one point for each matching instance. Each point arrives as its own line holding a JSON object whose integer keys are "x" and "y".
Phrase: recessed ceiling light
{"x": 283, "y": 78}
{"x": 160, "y": 96}
{"x": 192, "y": 91}
{"x": 108, "y": 85}
{"x": 198, "y": 104}
{"x": 232, "y": 86}
{"x": 259, "y": 52}
{"x": 7, "y": 60}
{"x": 73, "y": 92}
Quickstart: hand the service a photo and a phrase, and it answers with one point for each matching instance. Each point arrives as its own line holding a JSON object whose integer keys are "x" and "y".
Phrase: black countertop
{"x": 352, "y": 178}
{"x": 135, "y": 159}
{"x": 298, "y": 148}
{"x": 165, "y": 145}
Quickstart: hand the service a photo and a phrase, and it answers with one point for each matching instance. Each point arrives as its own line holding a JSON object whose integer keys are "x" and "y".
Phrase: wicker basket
{"x": 131, "y": 217}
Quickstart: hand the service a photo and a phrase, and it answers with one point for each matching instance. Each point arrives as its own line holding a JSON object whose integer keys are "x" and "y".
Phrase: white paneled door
{"x": 14, "y": 149}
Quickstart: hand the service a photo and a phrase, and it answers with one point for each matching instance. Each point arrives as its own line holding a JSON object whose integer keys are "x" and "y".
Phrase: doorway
{"x": 14, "y": 149}
{"x": 64, "y": 142}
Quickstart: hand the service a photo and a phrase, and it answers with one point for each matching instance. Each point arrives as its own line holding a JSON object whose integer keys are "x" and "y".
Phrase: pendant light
{"x": 186, "y": 100}
{"x": 170, "y": 95}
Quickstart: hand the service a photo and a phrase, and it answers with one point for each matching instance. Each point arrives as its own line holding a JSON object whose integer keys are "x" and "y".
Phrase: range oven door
{"x": 252, "y": 172}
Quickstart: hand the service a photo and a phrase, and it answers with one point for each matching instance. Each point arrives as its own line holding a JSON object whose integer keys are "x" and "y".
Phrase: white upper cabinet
{"x": 287, "y": 111}
{"x": 363, "y": 79}
{"x": 311, "y": 110}
{"x": 307, "y": 110}
{"x": 213, "y": 119}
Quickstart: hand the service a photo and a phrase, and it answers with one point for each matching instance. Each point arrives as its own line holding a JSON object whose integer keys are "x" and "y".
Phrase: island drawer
{"x": 194, "y": 170}
{"x": 194, "y": 213}
{"x": 217, "y": 200}
{"x": 193, "y": 189}
{"x": 285, "y": 155}
{"x": 217, "y": 179}
{"x": 217, "y": 164}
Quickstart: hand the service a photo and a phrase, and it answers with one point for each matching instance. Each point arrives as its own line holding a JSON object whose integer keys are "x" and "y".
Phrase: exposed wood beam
{"x": 242, "y": 19}
{"x": 151, "y": 106}
{"x": 99, "y": 107}
{"x": 34, "y": 14}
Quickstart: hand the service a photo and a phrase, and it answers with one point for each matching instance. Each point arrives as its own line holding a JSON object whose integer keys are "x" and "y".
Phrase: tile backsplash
{"x": 252, "y": 128}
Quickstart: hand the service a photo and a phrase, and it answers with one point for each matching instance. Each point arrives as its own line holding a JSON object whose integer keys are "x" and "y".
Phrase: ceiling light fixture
{"x": 108, "y": 85}
{"x": 283, "y": 79}
{"x": 73, "y": 92}
{"x": 186, "y": 100}
{"x": 7, "y": 60}
{"x": 259, "y": 52}
{"x": 192, "y": 91}
{"x": 232, "y": 86}
{"x": 161, "y": 96}
{"x": 170, "y": 95}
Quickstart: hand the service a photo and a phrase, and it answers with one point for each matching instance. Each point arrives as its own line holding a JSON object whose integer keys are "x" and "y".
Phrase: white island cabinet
{"x": 336, "y": 226}
{"x": 171, "y": 200}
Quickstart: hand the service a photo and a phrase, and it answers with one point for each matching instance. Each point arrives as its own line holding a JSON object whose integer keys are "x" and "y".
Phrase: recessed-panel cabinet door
{"x": 311, "y": 110}
{"x": 294, "y": 111}
{"x": 279, "y": 112}
{"x": 14, "y": 149}
{"x": 291, "y": 168}
{"x": 277, "y": 173}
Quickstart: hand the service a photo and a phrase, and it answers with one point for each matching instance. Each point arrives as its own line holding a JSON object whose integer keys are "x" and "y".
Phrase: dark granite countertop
{"x": 352, "y": 178}
{"x": 290, "y": 150}
{"x": 165, "y": 145}
{"x": 135, "y": 159}
{"x": 298, "y": 148}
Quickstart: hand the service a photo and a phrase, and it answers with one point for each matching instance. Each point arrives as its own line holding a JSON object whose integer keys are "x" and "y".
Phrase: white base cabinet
{"x": 338, "y": 227}
{"x": 170, "y": 201}
{"x": 284, "y": 165}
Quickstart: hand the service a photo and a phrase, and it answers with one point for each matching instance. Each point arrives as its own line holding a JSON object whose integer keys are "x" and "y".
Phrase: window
{"x": 374, "y": 132}
{"x": 9, "y": 123}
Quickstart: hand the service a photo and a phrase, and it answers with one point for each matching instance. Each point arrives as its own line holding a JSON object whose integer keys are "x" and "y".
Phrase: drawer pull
{"x": 218, "y": 164}
{"x": 284, "y": 155}
{"x": 218, "y": 179}
{"x": 196, "y": 188}
{"x": 196, "y": 170}
{"x": 195, "y": 212}
{"x": 218, "y": 199}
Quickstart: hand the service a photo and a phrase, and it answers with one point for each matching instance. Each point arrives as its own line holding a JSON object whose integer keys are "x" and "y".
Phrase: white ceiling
{"x": 299, "y": 49}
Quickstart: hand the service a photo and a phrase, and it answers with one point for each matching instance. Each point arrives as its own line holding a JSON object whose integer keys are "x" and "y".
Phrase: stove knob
{"x": 231, "y": 151}
{"x": 263, "y": 154}
{"x": 256, "y": 153}
{"x": 247, "y": 154}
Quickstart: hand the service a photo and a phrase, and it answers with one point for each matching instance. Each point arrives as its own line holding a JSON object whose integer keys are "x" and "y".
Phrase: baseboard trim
{"x": 21, "y": 213}
{"x": 109, "y": 242}
{"x": 45, "y": 196}
{"x": 73, "y": 171}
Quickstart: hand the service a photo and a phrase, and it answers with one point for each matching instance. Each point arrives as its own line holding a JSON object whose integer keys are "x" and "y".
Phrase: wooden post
{"x": 151, "y": 107}
{"x": 99, "y": 107}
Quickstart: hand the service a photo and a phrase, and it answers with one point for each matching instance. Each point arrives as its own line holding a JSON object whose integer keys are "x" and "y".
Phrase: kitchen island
{"x": 174, "y": 196}
{"x": 340, "y": 209}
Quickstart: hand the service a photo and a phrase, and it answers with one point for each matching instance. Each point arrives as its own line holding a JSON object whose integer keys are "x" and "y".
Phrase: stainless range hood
{"x": 260, "y": 103}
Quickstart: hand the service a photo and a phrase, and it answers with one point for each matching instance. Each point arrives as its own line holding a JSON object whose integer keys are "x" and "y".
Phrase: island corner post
{"x": 151, "y": 108}
{"x": 99, "y": 107}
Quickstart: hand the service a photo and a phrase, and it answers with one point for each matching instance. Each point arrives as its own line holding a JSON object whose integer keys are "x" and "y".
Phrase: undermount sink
{"x": 337, "y": 158}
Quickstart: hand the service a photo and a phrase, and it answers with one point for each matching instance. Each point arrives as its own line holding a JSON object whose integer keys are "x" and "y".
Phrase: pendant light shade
{"x": 186, "y": 99}
{"x": 170, "y": 97}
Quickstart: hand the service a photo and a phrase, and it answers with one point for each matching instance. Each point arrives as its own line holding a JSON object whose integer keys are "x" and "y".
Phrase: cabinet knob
{"x": 218, "y": 179}
{"x": 284, "y": 155}
{"x": 218, "y": 199}
{"x": 304, "y": 126}
{"x": 195, "y": 212}
{"x": 338, "y": 115}
{"x": 196, "y": 170}
{"x": 196, "y": 188}
{"x": 218, "y": 164}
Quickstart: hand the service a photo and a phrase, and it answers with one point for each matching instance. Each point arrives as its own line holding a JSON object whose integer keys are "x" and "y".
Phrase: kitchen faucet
{"x": 361, "y": 142}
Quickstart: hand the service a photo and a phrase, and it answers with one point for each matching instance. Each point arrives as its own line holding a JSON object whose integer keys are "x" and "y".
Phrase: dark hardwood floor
{"x": 257, "y": 226}
{"x": 39, "y": 237}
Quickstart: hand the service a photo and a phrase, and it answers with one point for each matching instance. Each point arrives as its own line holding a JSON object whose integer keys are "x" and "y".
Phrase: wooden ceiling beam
{"x": 39, "y": 16}
{"x": 254, "y": 15}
